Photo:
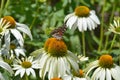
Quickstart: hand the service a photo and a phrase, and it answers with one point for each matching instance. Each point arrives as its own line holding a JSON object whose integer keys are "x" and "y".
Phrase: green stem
{"x": 1, "y": 9}
{"x": 33, "y": 22}
{"x": 101, "y": 28}
{"x": 83, "y": 43}
{"x": 112, "y": 42}
{"x": 111, "y": 17}
{"x": 35, "y": 16}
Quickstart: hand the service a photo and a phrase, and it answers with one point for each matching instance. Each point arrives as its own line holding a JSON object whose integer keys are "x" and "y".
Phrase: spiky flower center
{"x": 82, "y": 11}
{"x": 81, "y": 73}
{"x": 55, "y": 47}
{"x": 26, "y": 64}
{"x": 12, "y": 46}
{"x": 56, "y": 79}
{"x": 106, "y": 61}
{"x": 10, "y": 20}
{"x": 117, "y": 29}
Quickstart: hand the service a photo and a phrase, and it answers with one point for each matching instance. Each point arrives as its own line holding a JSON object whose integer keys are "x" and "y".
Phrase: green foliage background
{"x": 43, "y": 16}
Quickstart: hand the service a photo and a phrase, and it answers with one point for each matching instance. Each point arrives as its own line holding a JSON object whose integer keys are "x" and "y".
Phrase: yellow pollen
{"x": 82, "y": 11}
{"x": 106, "y": 61}
{"x": 55, "y": 47}
{"x": 56, "y": 79}
{"x": 81, "y": 73}
{"x": 26, "y": 64}
{"x": 10, "y": 20}
{"x": 12, "y": 46}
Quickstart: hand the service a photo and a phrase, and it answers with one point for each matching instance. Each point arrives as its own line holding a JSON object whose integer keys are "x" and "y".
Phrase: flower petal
{"x": 71, "y": 21}
{"x": 22, "y": 72}
{"x": 6, "y": 67}
{"x": 80, "y": 24}
{"x": 7, "y": 40}
{"x": 28, "y": 71}
{"x": 84, "y": 24}
{"x": 115, "y": 72}
{"x": 108, "y": 74}
{"x": 68, "y": 16}
{"x": 24, "y": 28}
{"x": 33, "y": 72}
{"x": 103, "y": 74}
{"x": 96, "y": 74}
{"x": 18, "y": 36}
{"x": 94, "y": 17}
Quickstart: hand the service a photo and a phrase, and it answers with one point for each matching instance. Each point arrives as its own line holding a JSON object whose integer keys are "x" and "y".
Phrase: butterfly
{"x": 58, "y": 33}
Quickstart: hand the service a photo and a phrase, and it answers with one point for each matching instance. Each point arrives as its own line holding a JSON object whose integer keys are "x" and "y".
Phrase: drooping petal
{"x": 96, "y": 74}
{"x": 18, "y": 36}
{"x": 115, "y": 73}
{"x": 84, "y": 24}
{"x": 19, "y": 51}
{"x": 71, "y": 21}
{"x": 45, "y": 63}
{"x": 73, "y": 63}
{"x": 33, "y": 72}
{"x": 50, "y": 73}
{"x": 103, "y": 74}
{"x": 7, "y": 40}
{"x": 80, "y": 24}
{"x": 108, "y": 74}
{"x": 6, "y": 67}
{"x": 24, "y": 28}
{"x": 89, "y": 24}
{"x": 92, "y": 23}
{"x": 94, "y": 17}
{"x": 61, "y": 67}
{"x": 68, "y": 16}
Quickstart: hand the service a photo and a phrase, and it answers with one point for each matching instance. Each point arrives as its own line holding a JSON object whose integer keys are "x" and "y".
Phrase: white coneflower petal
{"x": 108, "y": 75}
{"x": 68, "y": 16}
{"x": 8, "y": 25}
{"x": 102, "y": 75}
{"x": 104, "y": 69}
{"x": 56, "y": 60}
{"x": 83, "y": 18}
{"x": 62, "y": 67}
{"x": 6, "y": 66}
{"x": 94, "y": 17}
{"x": 71, "y": 21}
{"x": 79, "y": 24}
{"x": 94, "y": 74}
{"x": 84, "y": 23}
{"x": 115, "y": 73}
{"x": 18, "y": 36}
{"x": 24, "y": 28}
{"x": 7, "y": 40}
